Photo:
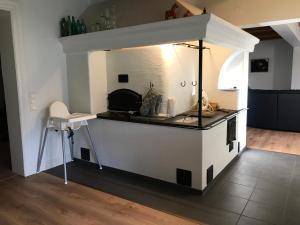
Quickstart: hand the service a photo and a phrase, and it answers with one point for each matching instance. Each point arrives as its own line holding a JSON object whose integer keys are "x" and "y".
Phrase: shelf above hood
{"x": 207, "y": 27}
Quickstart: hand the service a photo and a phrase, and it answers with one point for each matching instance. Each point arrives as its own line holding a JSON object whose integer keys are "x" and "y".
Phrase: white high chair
{"x": 61, "y": 120}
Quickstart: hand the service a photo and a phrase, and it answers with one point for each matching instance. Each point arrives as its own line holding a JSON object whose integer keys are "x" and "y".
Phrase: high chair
{"x": 61, "y": 120}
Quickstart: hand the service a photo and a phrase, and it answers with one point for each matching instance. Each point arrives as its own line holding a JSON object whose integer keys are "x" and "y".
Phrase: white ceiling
{"x": 290, "y": 32}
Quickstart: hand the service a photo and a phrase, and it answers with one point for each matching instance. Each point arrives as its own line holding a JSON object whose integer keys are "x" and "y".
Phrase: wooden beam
{"x": 263, "y": 33}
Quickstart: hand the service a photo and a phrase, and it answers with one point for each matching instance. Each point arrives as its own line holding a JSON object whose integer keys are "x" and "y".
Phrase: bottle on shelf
{"x": 69, "y": 26}
{"x": 83, "y": 27}
{"x": 113, "y": 20}
{"x": 74, "y": 26}
{"x": 108, "y": 22}
{"x": 102, "y": 21}
{"x": 63, "y": 28}
{"x": 79, "y": 27}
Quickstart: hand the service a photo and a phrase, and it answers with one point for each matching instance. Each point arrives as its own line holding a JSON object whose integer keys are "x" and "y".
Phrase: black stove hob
{"x": 122, "y": 114}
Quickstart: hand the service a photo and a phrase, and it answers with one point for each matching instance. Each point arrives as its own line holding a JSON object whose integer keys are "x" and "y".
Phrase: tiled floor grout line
{"x": 240, "y": 216}
{"x": 247, "y": 203}
{"x": 255, "y": 187}
{"x": 264, "y": 170}
{"x": 288, "y": 195}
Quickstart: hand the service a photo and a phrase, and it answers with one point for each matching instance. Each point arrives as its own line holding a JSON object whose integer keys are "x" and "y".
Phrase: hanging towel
{"x": 151, "y": 104}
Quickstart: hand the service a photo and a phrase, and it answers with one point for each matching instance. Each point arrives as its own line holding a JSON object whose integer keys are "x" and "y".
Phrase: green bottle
{"x": 79, "y": 27}
{"x": 63, "y": 27}
{"x": 69, "y": 27}
{"x": 74, "y": 26}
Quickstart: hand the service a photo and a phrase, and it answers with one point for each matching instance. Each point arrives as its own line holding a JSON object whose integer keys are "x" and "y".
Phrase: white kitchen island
{"x": 154, "y": 150}
{"x": 158, "y": 151}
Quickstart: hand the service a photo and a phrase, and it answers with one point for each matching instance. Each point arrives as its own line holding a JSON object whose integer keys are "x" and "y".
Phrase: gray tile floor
{"x": 260, "y": 188}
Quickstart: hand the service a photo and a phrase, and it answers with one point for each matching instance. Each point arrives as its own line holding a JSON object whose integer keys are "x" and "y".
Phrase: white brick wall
{"x": 166, "y": 67}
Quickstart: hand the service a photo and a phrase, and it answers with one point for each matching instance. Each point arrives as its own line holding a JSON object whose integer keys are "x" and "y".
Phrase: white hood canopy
{"x": 207, "y": 27}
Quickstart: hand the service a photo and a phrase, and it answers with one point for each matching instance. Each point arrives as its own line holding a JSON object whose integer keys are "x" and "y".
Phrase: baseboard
{"x": 203, "y": 192}
{"x": 138, "y": 176}
{"x": 220, "y": 175}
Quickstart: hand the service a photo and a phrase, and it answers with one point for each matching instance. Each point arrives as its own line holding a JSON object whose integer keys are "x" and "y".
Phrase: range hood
{"x": 207, "y": 27}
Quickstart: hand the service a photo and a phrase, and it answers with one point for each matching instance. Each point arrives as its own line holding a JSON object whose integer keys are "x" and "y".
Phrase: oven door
{"x": 124, "y": 100}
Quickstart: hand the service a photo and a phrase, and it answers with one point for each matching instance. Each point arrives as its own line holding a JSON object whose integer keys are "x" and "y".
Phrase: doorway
{"x": 5, "y": 155}
{"x": 5, "y": 159}
{"x": 273, "y": 117}
{"x": 11, "y": 155}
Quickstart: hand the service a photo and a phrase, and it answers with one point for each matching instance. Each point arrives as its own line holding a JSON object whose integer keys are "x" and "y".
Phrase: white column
{"x": 98, "y": 81}
{"x": 296, "y": 69}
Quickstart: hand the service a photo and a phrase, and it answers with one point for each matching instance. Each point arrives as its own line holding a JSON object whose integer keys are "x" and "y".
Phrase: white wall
{"x": 296, "y": 69}
{"x": 284, "y": 65}
{"x": 234, "y": 73}
{"x": 43, "y": 74}
{"x": 87, "y": 82}
{"x": 263, "y": 80}
{"x": 280, "y": 55}
{"x": 165, "y": 66}
{"x": 230, "y": 75}
{"x": 213, "y": 60}
{"x": 10, "y": 89}
{"x": 222, "y": 65}
{"x": 78, "y": 79}
{"x": 98, "y": 81}
{"x": 215, "y": 150}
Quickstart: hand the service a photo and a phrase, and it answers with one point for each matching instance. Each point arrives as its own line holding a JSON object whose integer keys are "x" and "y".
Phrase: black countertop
{"x": 180, "y": 121}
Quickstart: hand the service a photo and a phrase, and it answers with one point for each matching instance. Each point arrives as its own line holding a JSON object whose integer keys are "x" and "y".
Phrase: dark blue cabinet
{"x": 276, "y": 110}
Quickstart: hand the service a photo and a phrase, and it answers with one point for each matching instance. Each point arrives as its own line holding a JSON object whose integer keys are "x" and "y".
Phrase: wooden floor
{"x": 44, "y": 199}
{"x": 275, "y": 141}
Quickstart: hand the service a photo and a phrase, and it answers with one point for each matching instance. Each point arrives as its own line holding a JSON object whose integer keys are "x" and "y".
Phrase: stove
{"x": 124, "y": 101}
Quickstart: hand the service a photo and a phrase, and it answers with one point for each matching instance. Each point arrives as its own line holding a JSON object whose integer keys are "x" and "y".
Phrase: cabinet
{"x": 289, "y": 111}
{"x": 276, "y": 110}
{"x": 262, "y": 109}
